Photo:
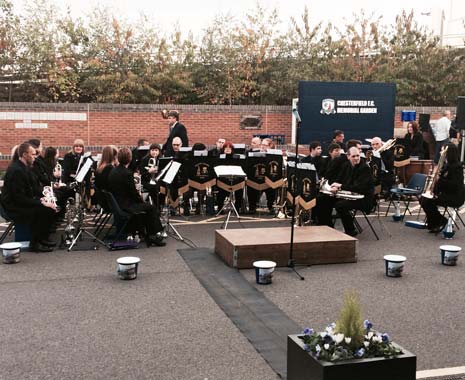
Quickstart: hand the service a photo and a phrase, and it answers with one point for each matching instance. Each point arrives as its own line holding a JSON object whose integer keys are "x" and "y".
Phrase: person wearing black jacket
{"x": 334, "y": 151}
{"x": 121, "y": 185}
{"x": 387, "y": 177}
{"x": 449, "y": 190}
{"x": 315, "y": 156}
{"x": 21, "y": 202}
{"x": 354, "y": 176}
{"x": 176, "y": 130}
{"x": 71, "y": 161}
{"x": 414, "y": 140}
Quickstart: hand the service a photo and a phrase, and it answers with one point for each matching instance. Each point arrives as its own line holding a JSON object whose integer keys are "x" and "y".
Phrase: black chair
{"x": 121, "y": 220}
{"x": 413, "y": 190}
{"x": 365, "y": 214}
{"x": 105, "y": 213}
{"x": 11, "y": 223}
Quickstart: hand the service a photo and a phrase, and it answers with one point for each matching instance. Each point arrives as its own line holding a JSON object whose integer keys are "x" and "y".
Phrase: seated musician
{"x": 449, "y": 190}
{"x": 338, "y": 138}
{"x": 414, "y": 140}
{"x": 255, "y": 144}
{"x": 148, "y": 170}
{"x": 333, "y": 168}
{"x": 228, "y": 151}
{"x": 386, "y": 174}
{"x": 122, "y": 186}
{"x": 354, "y": 176}
{"x": 334, "y": 151}
{"x": 315, "y": 155}
{"x": 71, "y": 161}
{"x": 23, "y": 205}
{"x": 216, "y": 151}
{"x": 136, "y": 156}
{"x": 107, "y": 163}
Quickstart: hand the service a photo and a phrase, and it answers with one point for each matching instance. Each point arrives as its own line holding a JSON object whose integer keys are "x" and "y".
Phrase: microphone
{"x": 296, "y": 115}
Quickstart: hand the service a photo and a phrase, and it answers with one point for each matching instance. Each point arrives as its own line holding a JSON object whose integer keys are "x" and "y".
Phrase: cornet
{"x": 152, "y": 164}
{"x": 49, "y": 195}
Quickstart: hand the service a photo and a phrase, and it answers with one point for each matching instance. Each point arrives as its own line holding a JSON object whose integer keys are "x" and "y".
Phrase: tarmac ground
{"x": 66, "y": 315}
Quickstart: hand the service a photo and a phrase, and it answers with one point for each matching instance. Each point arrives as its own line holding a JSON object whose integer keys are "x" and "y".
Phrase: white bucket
{"x": 11, "y": 252}
{"x": 127, "y": 267}
{"x": 394, "y": 265}
{"x": 264, "y": 271}
{"x": 449, "y": 254}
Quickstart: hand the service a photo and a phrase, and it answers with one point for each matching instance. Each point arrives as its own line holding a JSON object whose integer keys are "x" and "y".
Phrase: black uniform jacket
{"x": 18, "y": 196}
{"x": 122, "y": 186}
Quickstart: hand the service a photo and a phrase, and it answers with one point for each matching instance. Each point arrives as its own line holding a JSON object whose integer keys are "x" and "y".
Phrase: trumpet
{"x": 49, "y": 195}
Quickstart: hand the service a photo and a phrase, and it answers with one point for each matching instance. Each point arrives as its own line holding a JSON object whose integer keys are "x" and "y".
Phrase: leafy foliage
{"x": 46, "y": 54}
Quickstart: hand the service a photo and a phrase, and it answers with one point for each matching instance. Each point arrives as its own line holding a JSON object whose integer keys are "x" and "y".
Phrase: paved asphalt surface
{"x": 68, "y": 316}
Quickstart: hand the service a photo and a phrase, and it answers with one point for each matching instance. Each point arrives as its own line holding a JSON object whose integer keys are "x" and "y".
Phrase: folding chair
{"x": 121, "y": 220}
{"x": 105, "y": 213}
{"x": 414, "y": 188}
{"x": 11, "y": 224}
{"x": 449, "y": 213}
{"x": 365, "y": 215}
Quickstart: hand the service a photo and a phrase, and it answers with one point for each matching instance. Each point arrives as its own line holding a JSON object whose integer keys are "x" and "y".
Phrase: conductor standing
{"x": 176, "y": 130}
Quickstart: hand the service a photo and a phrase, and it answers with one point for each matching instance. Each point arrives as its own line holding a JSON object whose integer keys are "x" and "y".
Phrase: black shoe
{"x": 271, "y": 212}
{"x": 439, "y": 227}
{"x": 186, "y": 212}
{"x": 252, "y": 211}
{"x": 38, "y": 247}
{"x": 352, "y": 233}
{"x": 157, "y": 240}
{"x": 48, "y": 243}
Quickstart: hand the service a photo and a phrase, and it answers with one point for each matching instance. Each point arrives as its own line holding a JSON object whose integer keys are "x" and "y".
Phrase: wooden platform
{"x": 239, "y": 248}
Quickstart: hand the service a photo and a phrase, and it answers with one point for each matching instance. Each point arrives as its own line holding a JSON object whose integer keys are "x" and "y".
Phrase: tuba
{"x": 429, "y": 192}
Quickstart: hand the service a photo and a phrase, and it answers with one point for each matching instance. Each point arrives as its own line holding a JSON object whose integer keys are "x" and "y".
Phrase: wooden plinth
{"x": 239, "y": 248}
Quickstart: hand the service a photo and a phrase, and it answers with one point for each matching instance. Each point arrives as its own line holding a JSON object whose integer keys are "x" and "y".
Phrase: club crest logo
{"x": 327, "y": 107}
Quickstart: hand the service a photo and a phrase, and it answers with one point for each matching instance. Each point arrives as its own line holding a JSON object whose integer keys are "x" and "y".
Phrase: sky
{"x": 195, "y": 15}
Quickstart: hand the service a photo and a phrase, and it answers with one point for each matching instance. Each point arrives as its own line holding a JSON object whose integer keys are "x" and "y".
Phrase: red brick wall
{"x": 125, "y": 124}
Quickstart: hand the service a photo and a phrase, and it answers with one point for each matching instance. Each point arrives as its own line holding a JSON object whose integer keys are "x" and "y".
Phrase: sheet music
{"x": 200, "y": 153}
{"x": 229, "y": 170}
{"x": 163, "y": 171}
{"x": 185, "y": 149}
{"x": 239, "y": 146}
{"x": 83, "y": 171}
{"x": 143, "y": 147}
{"x": 172, "y": 171}
{"x": 257, "y": 154}
{"x": 306, "y": 166}
{"x": 277, "y": 152}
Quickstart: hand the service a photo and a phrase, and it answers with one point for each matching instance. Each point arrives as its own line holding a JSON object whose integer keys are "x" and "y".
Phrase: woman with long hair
{"x": 71, "y": 160}
{"x": 108, "y": 162}
{"x": 414, "y": 140}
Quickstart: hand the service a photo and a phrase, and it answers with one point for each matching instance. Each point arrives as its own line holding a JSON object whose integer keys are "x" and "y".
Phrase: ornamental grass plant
{"x": 349, "y": 338}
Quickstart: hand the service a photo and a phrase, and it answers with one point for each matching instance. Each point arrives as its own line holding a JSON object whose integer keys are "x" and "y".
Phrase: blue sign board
{"x": 361, "y": 110}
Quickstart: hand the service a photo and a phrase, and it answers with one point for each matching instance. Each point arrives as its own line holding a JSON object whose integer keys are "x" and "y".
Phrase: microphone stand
{"x": 291, "y": 261}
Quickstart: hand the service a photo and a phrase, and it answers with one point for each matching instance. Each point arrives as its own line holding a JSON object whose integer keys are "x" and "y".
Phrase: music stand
{"x": 291, "y": 261}
{"x": 80, "y": 176}
{"x": 168, "y": 175}
{"x": 230, "y": 173}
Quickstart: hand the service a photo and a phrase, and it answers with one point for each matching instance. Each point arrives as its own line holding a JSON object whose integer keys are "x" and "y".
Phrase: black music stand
{"x": 80, "y": 179}
{"x": 231, "y": 173}
{"x": 291, "y": 262}
{"x": 168, "y": 175}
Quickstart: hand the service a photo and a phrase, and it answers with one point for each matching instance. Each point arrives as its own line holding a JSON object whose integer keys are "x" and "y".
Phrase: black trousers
{"x": 325, "y": 205}
{"x": 41, "y": 219}
{"x": 149, "y": 221}
{"x": 238, "y": 198}
{"x": 433, "y": 216}
{"x": 253, "y": 196}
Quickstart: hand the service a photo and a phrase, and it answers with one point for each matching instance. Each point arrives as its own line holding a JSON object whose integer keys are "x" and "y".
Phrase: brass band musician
{"x": 448, "y": 190}
{"x": 354, "y": 176}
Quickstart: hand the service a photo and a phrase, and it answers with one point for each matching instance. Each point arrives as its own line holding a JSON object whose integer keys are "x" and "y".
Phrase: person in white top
{"x": 441, "y": 133}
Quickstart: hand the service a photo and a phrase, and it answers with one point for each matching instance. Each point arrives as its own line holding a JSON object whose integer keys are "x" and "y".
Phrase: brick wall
{"x": 123, "y": 124}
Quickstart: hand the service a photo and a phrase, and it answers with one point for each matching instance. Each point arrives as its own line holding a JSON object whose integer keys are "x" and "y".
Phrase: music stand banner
{"x": 361, "y": 110}
{"x": 306, "y": 186}
{"x": 201, "y": 172}
{"x": 274, "y": 170}
{"x": 256, "y": 170}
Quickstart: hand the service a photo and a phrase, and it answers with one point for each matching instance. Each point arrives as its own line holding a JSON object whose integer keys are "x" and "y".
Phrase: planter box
{"x": 303, "y": 366}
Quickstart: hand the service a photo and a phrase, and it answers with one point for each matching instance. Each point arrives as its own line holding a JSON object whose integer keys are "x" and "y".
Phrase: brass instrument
{"x": 386, "y": 146}
{"x": 164, "y": 113}
{"x": 280, "y": 201}
{"x": 429, "y": 191}
{"x": 49, "y": 196}
{"x": 57, "y": 170}
{"x": 152, "y": 164}
{"x": 138, "y": 183}
{"x": 325, "y": 188}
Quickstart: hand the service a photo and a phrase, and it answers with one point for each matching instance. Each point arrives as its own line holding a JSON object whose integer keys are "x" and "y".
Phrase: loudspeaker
{"x": 460, "y": 118}
{"x": 423, "y": 122}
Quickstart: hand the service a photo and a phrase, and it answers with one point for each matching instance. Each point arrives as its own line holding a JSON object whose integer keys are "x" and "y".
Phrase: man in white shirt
{"x": 441, "y": 133}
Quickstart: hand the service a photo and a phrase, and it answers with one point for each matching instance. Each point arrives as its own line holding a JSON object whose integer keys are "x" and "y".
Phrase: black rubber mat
{"x": 260, "y": 320}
